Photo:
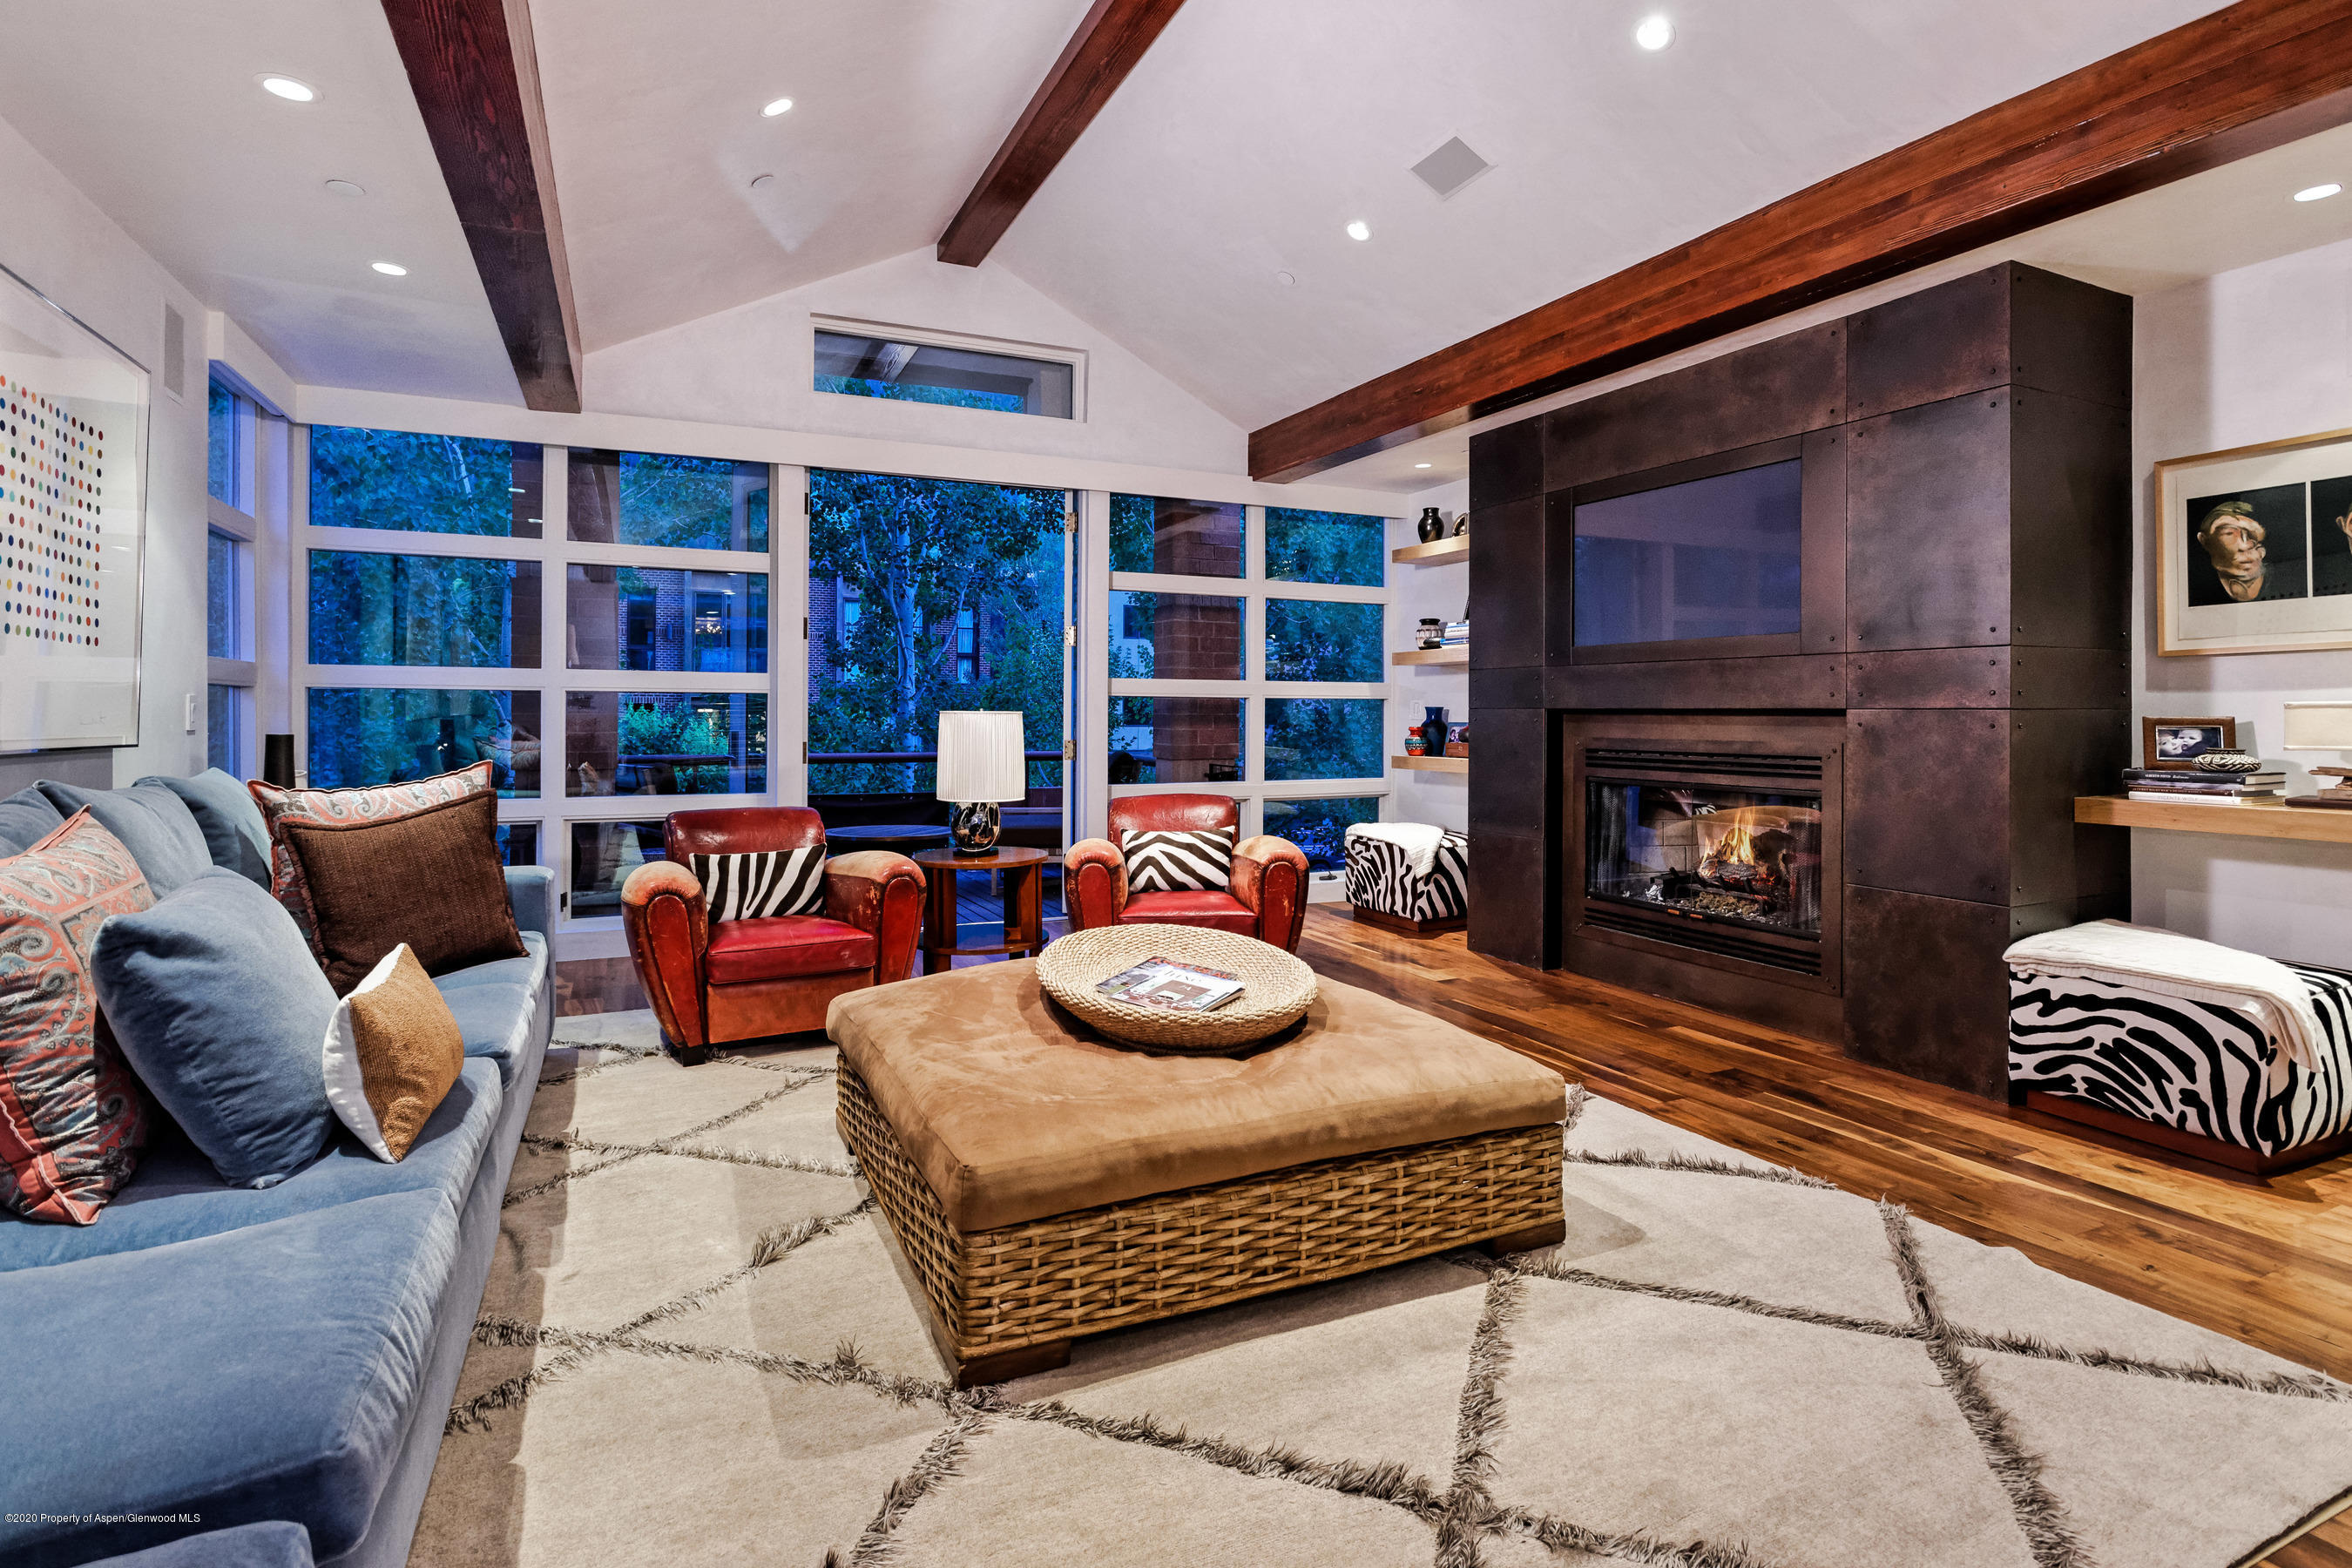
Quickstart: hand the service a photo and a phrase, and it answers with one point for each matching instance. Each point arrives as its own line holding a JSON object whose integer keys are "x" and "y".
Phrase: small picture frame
{"x": 2176, "y": 743}
{"x": 1457, "y": 739}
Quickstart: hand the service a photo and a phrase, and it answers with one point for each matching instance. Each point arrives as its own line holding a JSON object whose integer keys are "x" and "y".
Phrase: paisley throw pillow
{"x": 71, "y": 1118}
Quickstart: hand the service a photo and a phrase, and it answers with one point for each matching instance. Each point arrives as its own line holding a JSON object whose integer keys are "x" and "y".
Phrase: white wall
{"x": 755, "y": 365}
{"x": 1443, "y": 592}
{"x": 2253, "y": 355}
{"x": 58, "y": 241}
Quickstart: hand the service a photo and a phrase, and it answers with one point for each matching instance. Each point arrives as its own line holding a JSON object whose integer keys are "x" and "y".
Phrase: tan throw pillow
{"x": 392, "y": 1050}
{"x": 430, "y": 879}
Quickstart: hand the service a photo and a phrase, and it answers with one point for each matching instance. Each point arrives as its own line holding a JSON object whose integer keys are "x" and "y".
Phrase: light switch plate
{"x": 191, "y": 713}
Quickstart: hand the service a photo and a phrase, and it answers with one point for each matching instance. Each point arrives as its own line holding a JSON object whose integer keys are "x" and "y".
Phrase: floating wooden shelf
{"x": 1433, "y": 655}
{"x": 2314, "y": 825}
{"x": 1432, "y": 764}
{"x": 1436, "y": 553}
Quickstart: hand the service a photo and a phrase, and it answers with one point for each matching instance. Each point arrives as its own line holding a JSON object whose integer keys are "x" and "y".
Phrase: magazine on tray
{"x": 1178, "y": 987}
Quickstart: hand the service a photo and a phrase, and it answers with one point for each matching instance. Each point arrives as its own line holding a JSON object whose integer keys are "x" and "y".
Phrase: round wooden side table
{"x": 1024, "y": 924}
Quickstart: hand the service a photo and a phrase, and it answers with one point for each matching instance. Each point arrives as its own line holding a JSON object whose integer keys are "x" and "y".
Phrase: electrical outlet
{"x": 191, "y": 714}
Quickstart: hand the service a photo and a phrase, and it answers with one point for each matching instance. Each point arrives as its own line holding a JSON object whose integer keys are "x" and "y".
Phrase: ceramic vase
{"x": 1433, "y": 731}
{"x": 1432, "y": 527}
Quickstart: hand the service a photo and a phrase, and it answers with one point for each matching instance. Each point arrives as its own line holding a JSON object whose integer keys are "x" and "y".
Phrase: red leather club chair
{"x": 1266, "y": 900}
{"x": 741, "y": 980}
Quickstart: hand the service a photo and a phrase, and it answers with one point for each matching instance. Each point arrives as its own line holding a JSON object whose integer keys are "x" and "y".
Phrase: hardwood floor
{"x": 597, "y": 985}
{"x": 2268, "y": 1262}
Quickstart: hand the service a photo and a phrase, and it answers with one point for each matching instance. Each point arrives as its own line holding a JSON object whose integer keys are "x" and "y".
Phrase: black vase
{"x": 1432, "y": 527}
{"x": 1433, "y": 731}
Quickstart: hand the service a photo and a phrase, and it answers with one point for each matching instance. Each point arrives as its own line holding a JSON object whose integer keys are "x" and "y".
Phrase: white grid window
{"x": 232, "y": 533}
{"x": 1225, "y": 674}
{"x": 608, "y": 683}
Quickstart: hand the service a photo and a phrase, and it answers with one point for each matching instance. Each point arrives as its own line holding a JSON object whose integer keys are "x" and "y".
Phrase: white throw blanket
{"x": 1417, "y": 840}
{"x": 2170, "y": 964}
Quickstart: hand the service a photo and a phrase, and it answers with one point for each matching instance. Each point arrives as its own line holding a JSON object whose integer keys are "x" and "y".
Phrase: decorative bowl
{"x": 1279, "y": 987}
{"x": 2228, "y": 762}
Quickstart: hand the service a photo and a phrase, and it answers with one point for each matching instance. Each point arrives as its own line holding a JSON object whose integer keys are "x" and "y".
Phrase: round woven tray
{"x": 1278, "y": 987}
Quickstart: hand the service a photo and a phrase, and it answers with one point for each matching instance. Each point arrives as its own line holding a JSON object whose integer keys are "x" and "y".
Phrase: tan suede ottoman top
{"x": 1014, "y": 1109}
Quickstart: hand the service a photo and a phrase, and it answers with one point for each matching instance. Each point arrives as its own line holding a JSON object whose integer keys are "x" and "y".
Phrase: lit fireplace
{"x": 1747, "y": 857}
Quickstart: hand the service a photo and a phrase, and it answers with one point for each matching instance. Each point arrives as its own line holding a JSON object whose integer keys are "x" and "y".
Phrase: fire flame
{"x": 1739, "y": 846}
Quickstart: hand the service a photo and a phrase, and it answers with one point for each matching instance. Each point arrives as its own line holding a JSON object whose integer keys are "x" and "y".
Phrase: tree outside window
{"x": 928, "y": 563}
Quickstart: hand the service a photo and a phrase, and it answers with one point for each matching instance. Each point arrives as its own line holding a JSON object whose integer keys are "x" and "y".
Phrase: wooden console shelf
{"x": 1436, "y": 553}
{"x": 1432, "y": 764}
{"x": 1433, "y": 655}
{"x": 2312, "y": 824}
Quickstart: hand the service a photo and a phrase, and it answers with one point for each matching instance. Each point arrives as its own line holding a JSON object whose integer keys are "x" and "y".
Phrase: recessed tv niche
{"x": 1713, "y": 557}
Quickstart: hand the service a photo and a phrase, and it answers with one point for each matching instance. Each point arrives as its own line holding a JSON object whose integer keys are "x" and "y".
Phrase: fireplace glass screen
{"x": 1748, "y": 857}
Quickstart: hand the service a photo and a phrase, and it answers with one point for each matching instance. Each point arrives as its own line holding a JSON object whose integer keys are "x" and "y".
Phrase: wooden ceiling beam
{"x": 473, "y": 69}
{"x": 2248, "y": 77}
{"x": 1109, "y": 42}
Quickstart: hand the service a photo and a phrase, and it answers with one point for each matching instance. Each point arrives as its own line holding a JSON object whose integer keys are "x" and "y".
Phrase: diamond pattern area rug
{"x": 701, "y": 1345}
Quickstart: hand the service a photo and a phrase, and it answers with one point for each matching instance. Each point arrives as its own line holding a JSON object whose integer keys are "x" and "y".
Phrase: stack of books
{"x": 1456, "y": 635}
{"x": 2212, "y": 789}
{"x": 2335, "y": 789}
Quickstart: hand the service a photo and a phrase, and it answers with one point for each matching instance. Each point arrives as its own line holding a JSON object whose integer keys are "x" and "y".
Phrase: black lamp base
{"x": 974, "y": 826}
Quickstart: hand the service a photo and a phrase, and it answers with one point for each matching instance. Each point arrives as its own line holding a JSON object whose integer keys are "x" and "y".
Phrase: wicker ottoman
{"x": 1047, "y": 1184}
{"x": 1386, "y": 890}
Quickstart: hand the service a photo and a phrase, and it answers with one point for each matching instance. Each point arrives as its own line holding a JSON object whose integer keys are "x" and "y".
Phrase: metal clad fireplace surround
{"x": 1818, "y": 770}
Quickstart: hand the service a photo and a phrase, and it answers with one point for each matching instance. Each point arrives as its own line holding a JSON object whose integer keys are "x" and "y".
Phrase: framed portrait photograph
{"x": 2255, "y": 548}
{"x": 2179, "y": 742}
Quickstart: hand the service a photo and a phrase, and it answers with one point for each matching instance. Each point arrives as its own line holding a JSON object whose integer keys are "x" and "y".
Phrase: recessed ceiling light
{"x": 2317, "y": 192}
{"x": 346, "y": 188}
{"x": 1359, "y": 229}
{"x": 775, "y": 106}
{"x": 1655, "y": 32}
{"x": 286, "y": 88}
{"x": 1286, "y": 278}
{"x": 1421, "y": 465}
{"x": 761, "y": 182}
{"x": 390, "y": 268}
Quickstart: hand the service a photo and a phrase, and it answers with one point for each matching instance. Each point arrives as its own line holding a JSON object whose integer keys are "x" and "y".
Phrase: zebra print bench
{"x": 2189, "y": 1075}
{"x": 1385, "y": 891}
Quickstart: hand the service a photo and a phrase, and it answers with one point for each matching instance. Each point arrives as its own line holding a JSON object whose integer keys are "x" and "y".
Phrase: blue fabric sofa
{"x": 232, "y": 1357}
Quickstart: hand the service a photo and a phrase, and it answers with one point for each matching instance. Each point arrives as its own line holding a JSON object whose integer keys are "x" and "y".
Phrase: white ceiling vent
{"x": 1451, "y": 167}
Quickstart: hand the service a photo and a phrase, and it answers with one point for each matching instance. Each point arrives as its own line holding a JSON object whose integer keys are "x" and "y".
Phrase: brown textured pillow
{"x": 392, "y": 1050}
{"x": 431, "y": 878}
{"x": 285, "y": 808}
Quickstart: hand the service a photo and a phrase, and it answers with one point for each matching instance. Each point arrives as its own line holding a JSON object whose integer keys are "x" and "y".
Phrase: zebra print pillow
{"x": 1178, "y": 862}
{"x": 757, "y": 886}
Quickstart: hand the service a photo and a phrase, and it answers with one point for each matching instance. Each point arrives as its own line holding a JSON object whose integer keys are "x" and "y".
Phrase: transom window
{"x": 952, "y": 373}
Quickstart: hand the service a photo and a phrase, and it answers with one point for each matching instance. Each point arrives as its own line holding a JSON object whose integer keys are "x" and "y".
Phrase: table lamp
{"x": 981, "y": 766}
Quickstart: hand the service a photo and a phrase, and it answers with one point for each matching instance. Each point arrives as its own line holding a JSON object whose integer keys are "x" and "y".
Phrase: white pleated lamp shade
{"x": 979, "y": 756}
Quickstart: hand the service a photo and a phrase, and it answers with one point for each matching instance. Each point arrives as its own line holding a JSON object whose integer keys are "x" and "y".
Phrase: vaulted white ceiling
{"x": 1251, "y": 134}
{"x": 653, "y": 113}
{"x": 153, "y": 111}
